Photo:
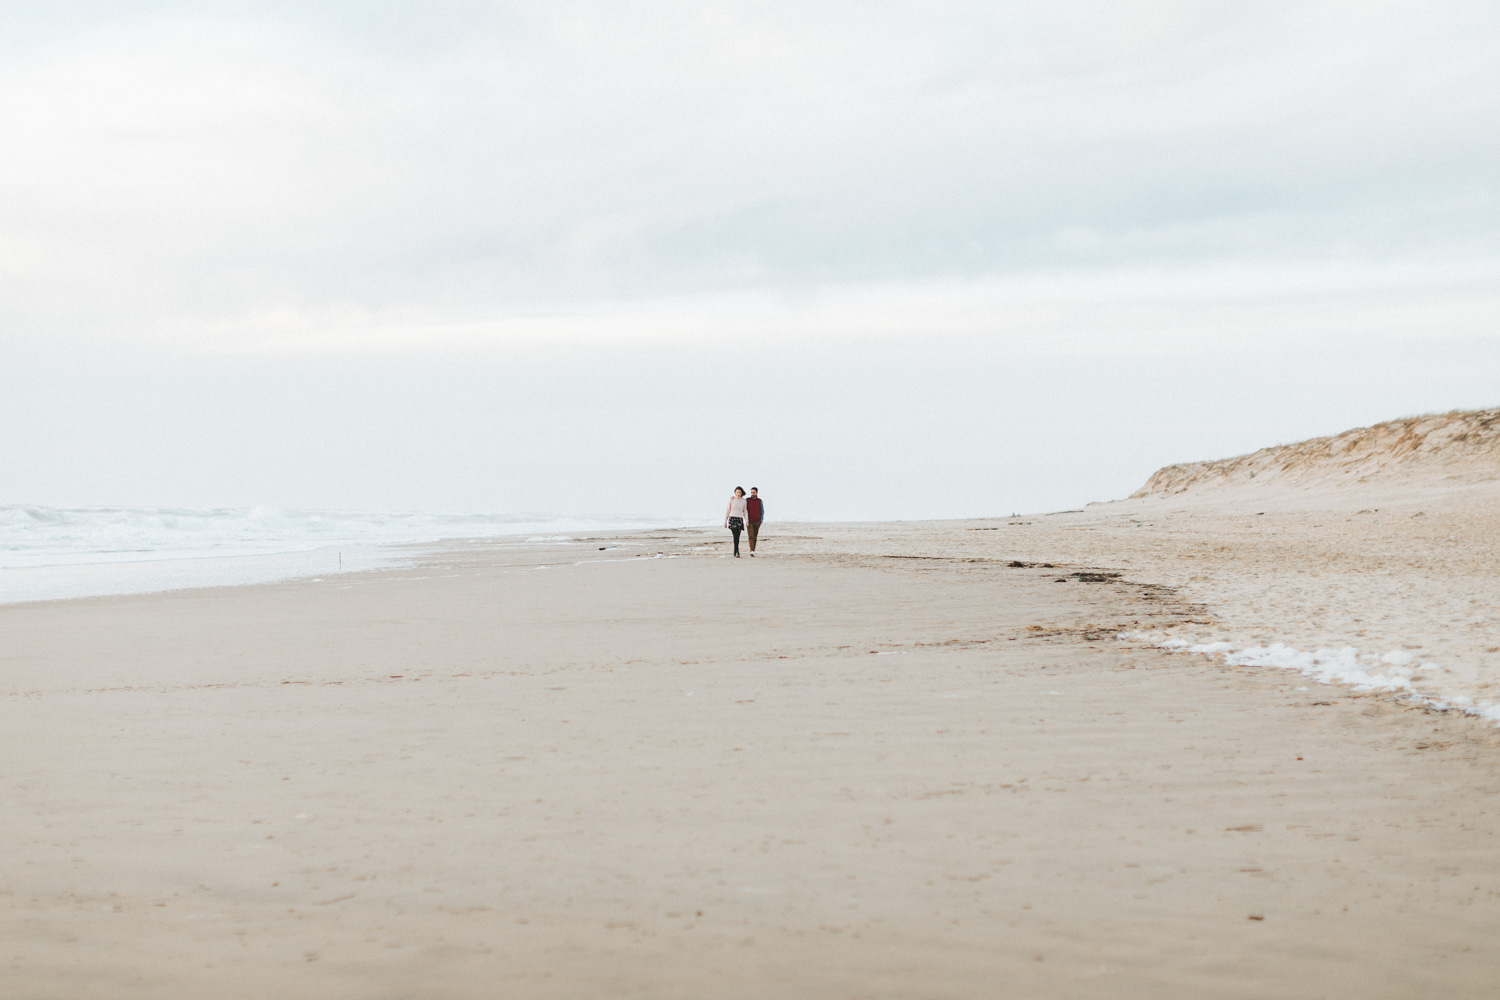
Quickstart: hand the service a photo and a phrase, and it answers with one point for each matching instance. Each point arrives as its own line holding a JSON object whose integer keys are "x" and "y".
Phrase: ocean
{"x": 53, "y": 553}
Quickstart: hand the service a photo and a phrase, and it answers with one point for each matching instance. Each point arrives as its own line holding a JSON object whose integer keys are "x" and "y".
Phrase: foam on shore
{"x": 1396, "y": 672}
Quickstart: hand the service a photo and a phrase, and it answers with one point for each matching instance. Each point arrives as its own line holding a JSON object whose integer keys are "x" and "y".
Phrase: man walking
{"x": 755, "y": 511}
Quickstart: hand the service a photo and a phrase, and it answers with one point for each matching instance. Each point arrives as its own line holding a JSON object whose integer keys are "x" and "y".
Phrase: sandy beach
{"x": 1116, "y": 385}
{"x": 875, "y": 761}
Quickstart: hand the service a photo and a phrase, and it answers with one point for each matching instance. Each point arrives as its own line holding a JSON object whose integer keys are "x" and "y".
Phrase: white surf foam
{"x": 49, "y": 553}
{"x": 1396, "y": 672}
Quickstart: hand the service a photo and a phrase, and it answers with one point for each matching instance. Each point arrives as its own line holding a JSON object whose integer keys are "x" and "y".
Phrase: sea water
{"x": 50, "y": 553}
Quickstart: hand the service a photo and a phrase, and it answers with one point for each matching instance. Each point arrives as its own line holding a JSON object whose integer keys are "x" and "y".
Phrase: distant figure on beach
{"x": 755, "y": 509}
{"x": 734, "y": 517}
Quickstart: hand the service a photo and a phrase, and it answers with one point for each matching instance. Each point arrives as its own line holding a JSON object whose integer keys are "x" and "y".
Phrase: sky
{"x": 882, "y": 260}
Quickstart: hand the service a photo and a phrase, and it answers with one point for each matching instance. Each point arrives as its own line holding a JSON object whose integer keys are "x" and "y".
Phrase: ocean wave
{"x": 35, "y": 536}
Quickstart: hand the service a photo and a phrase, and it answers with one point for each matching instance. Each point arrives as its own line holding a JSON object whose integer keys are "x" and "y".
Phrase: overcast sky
{"x": 879, "y": 259}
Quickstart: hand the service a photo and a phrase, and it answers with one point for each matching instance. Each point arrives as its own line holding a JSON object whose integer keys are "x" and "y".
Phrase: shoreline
{"x": 1461, "y": 675}
{"x": 61, "y": 553}
{"x": 175, "y": 573}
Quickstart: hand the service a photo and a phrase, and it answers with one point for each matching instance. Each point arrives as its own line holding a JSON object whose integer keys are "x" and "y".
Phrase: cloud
{"x": 505, "y": 178}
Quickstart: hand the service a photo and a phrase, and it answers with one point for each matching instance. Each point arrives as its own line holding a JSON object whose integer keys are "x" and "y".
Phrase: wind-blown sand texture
{"x": 877, "y": 761}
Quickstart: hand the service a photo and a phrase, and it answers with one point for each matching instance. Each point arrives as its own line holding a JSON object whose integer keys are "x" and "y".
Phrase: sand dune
{"x": 1462, "y": 447}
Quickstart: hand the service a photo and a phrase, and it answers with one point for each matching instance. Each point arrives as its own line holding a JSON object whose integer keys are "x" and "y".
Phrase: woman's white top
{"x": 737, "y": 509}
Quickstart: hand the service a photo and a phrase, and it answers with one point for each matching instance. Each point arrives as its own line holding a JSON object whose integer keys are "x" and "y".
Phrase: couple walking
{"x": 744, "y": 514}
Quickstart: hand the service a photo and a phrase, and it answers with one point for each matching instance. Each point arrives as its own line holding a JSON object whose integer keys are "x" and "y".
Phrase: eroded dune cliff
{"x": 1459, "y": 448}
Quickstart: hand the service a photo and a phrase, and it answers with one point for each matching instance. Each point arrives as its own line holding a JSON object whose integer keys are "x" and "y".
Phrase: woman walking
{"x": 734, "y": 517}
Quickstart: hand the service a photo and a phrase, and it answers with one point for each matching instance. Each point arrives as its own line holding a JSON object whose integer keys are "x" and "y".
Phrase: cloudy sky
{"x": 880, "y": 259}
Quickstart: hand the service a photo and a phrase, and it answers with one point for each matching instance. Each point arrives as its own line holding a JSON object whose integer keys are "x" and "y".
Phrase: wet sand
{"x": 874, "y": 762}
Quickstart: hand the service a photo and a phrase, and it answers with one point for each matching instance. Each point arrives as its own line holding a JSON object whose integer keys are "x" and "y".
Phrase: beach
{"x": 928, "y": 759}
{"x": 381, "y": 383}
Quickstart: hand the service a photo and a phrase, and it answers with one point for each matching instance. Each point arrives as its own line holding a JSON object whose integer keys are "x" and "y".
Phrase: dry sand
{"x": 1380, "y": 569}
{"x": 877, "y": 761}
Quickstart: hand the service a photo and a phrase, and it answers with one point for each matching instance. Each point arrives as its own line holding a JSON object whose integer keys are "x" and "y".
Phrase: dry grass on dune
{"x": 1461, "y": 447}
